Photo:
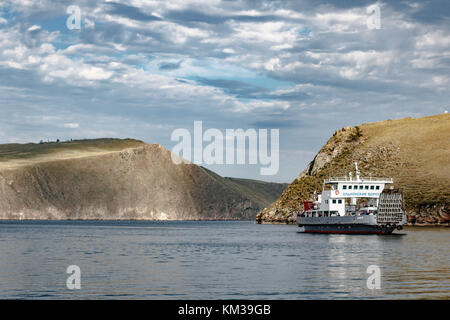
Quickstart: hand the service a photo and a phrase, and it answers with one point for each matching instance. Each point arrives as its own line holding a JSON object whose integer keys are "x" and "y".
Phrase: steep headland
{"x": 415, "y": 152}
{"x": 119, "y": 179}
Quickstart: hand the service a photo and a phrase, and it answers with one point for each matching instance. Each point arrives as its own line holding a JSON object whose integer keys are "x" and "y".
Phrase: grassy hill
{"x": 119, "y": 179}
{"x": 15, "y": 155}
{"x": 415, "y": 152}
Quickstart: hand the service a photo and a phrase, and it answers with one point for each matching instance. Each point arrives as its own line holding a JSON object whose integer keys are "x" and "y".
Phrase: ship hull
{"x": 344, "y": 225}
{"x": 347, "y": 229}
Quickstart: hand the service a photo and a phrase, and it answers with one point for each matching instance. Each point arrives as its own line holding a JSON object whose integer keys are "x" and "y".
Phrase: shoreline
{"x": 419, "y": 225}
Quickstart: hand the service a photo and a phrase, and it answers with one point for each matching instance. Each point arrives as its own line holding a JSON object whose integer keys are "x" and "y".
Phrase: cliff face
{"x": 124, "y": 179}
{"x": 414, "y": 152}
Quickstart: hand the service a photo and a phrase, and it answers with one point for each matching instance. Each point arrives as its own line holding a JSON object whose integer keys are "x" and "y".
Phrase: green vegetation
{"x": 354, "y": 136}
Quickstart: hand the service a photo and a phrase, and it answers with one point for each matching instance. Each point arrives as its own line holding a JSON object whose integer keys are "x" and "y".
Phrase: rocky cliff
{"x": 119, "y": 179}
{"x": 415, "y": 152}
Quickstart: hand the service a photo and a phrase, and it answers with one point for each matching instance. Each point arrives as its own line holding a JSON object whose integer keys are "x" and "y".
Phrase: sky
{"x": 142, "y": 69}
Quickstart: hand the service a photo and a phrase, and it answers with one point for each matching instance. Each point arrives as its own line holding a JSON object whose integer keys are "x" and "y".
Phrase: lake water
{"x": 217, "y": 260}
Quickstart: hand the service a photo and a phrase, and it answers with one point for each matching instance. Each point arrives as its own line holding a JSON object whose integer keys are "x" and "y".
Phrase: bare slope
{"x": 415, "y": 152}
{"x": 119, "y": 179}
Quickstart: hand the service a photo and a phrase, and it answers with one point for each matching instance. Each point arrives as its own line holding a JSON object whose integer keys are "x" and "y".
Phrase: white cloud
{"x": 269, "y": 32}
{"x": 94, "y": 73}
{"x": 71, "y": 125}
{"x": 228, "y": 50}
{"x": 34, "y": 27}
{"x": 434, "y": 39}
{"x": 343, "y": 21}
{"x": 254, "y": 105}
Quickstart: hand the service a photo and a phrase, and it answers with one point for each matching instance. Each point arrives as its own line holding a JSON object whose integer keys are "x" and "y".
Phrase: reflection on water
{"x": 217, "y": 260}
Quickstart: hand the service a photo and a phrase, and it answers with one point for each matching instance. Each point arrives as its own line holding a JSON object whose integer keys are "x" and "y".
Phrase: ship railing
{"x": 361, "y": 179}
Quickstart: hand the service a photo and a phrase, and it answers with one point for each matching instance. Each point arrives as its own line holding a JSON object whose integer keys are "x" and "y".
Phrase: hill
{"x": 119, "y": 179}
{"x": 415, "y": 152}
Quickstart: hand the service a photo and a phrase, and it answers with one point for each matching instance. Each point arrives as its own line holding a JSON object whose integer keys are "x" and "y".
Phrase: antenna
{"x": 357, "y": 171}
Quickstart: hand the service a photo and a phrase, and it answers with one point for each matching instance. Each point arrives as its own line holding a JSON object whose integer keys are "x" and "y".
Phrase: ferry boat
{"x": 354, "y": 205}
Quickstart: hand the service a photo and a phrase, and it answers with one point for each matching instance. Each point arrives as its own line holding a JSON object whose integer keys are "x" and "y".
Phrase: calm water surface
{"x": 217, "y": 260}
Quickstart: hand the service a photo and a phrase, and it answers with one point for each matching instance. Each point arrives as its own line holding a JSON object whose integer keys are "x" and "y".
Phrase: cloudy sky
{"x": 142, "y": 69}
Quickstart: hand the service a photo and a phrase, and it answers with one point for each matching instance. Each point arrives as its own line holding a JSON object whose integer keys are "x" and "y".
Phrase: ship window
{"x": 367, "y": 187}
{"x": 349, "y": 187}
{"x": 360, "y": 187}
{"x": 334, "y": 200}
{"x": 372, "y": 187}
{"x": 378, "y": 187}
{"x": 355, "y": 187}
{"x": 344, "y": 187}
{"x": 339, "y": 201}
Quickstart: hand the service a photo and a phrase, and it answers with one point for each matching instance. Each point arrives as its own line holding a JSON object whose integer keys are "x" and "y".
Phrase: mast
{"x": 357, "y": 171}
{"x": 353, "y": 200}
